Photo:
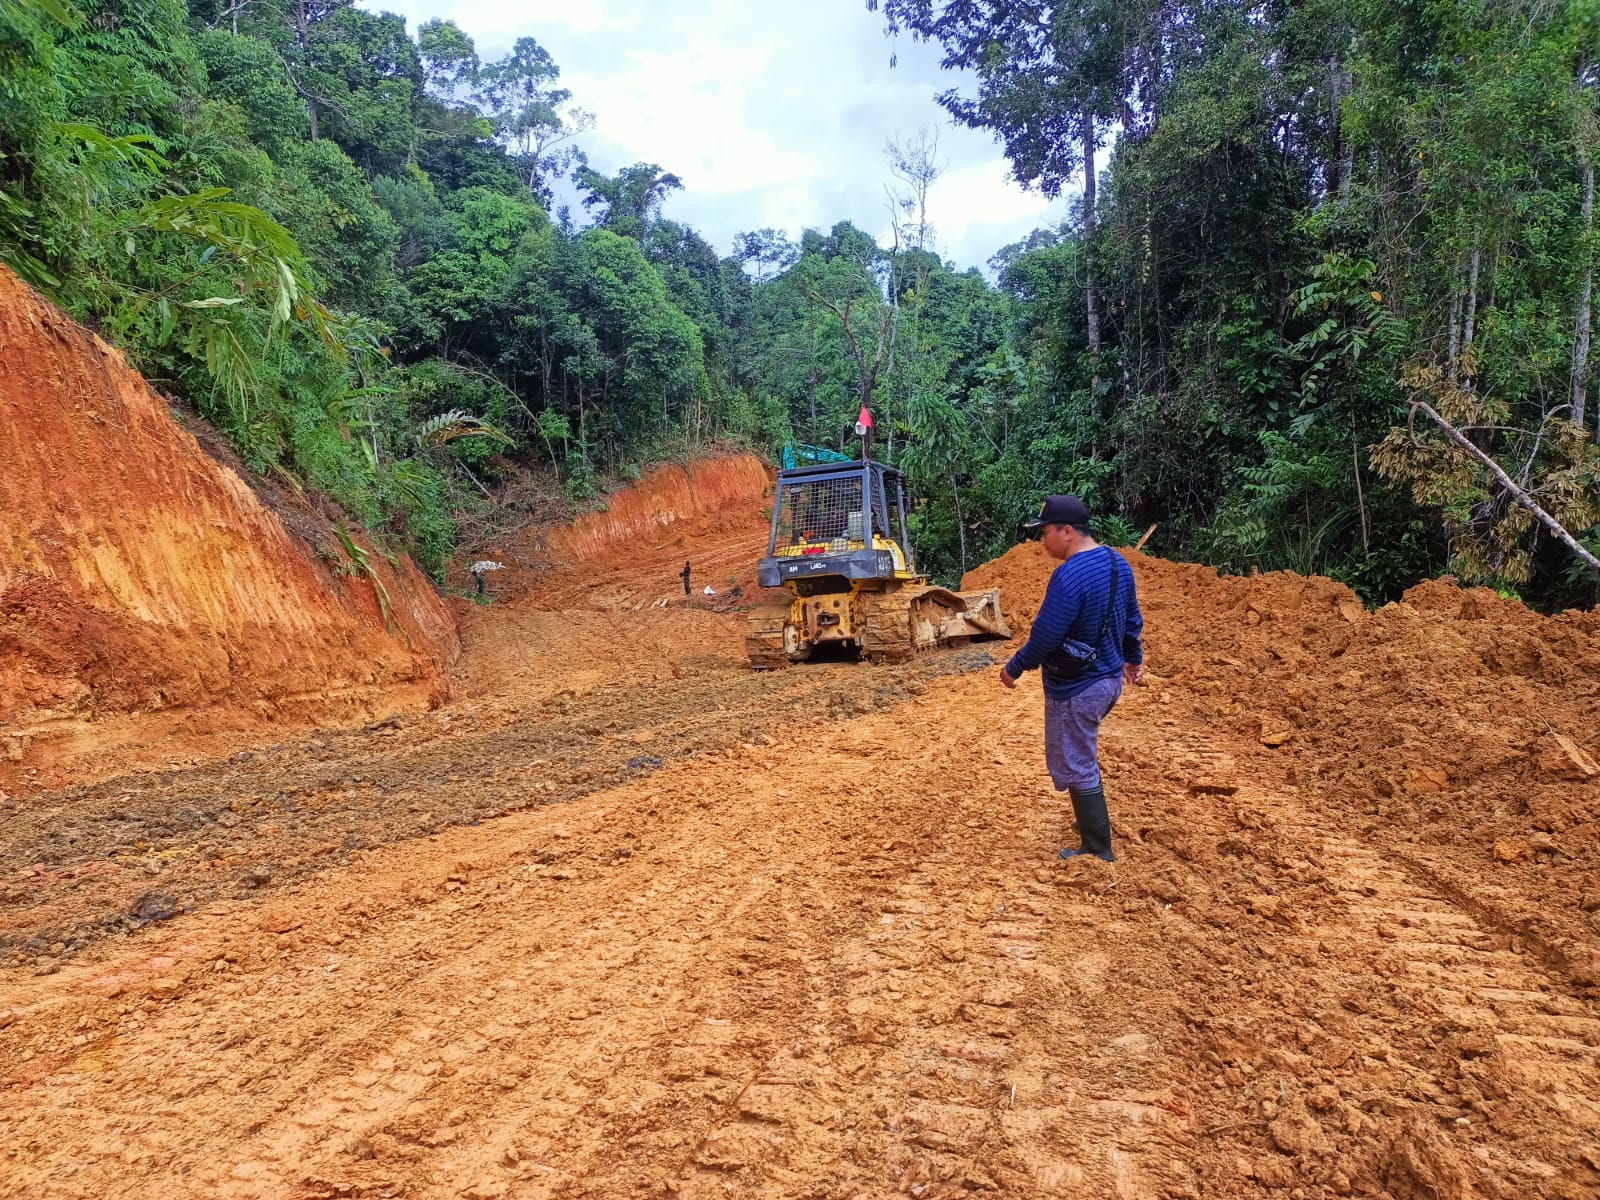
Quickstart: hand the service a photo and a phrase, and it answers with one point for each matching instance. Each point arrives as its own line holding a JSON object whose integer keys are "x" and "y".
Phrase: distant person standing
{"x": 481, "y": 568}
{"x": 684, "y": 575}
{"x": 1086, "y": 641}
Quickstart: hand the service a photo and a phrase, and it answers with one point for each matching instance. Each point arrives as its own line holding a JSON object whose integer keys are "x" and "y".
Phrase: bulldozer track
{"x": 763, "y": 639}
{"x": 886, "y": 635}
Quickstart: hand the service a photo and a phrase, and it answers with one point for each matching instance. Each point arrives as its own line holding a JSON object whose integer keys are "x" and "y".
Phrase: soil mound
{"x": 1462, "y": 718}
{"x": 1194, "y": 617}
{"x": 138, "y": 576}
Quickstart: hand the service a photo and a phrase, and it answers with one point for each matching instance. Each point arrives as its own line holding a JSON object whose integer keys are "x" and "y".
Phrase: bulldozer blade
{"x": 970, "y": 614}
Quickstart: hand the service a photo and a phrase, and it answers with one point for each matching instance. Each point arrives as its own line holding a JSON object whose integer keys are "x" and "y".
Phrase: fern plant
{"x": 448, "y": 426}
{"x": 1290, "y": 509}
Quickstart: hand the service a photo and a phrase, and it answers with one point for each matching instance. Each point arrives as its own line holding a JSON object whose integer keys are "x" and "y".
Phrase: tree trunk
{"x": 1361, "y": 499}
{"x": 1472, "y": 300}
{"x": 1521, "y": 497}
{"x": 1580, "y": 348}
{"x": 961, "y": 523}
{"x": 1451, "y": 371}
{"x": 1092, "y": 292}
{"x": 546, "y": 364}
{"x": 811, "y": 388}
{"x": 894, "y": 337}
{"x": 1336, "y": 145}
{"x": 302, "y": 27}
{"x": 1347, "y": 163}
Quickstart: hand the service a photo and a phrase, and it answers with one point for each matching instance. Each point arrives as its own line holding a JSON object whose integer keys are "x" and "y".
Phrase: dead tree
{"x": 1518, "y": 494}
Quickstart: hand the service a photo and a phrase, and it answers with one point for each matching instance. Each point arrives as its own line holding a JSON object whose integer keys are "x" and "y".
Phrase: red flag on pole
{"x": 863, "y": 422}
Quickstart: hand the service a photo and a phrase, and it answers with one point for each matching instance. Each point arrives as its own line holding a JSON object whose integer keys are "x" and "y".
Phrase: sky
{"x": 772, "y": 114}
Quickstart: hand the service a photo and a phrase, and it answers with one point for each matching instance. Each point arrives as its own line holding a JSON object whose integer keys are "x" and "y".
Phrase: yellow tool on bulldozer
{"x": 838, "y": 545}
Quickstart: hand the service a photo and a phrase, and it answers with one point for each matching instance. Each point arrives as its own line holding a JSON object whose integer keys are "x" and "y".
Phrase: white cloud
{"x": 770, "y": 114}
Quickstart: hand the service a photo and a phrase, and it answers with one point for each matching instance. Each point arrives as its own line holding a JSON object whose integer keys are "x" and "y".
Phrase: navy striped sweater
{"x": 1074, "y": 604}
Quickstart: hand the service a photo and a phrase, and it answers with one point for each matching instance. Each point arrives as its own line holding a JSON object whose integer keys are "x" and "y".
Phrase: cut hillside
{"x": 712, "y": 513}
{"x": 148, "y": 596}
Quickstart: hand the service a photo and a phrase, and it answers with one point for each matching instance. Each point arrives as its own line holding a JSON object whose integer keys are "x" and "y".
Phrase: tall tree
{"x": 915, "y": 166}
{"x": 770, "y": 250}
{"x": 532, "y": 117}
{"x": 1588, "y": 82}
{"x": 1051, "y": 77}
{"x": 630, "y": 200}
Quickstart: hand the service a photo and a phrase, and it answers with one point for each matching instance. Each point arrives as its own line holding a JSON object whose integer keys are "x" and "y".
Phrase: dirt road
{"x": 823, "y": 948}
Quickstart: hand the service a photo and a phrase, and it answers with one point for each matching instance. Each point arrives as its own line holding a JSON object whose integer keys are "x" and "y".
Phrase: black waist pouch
{"x": 1071, "y": 660}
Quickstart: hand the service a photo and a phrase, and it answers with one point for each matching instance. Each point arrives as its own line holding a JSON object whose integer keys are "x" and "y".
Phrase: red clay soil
{"x": 147, "y": 596}
{"x": 1460, "y": 729}
{"x": 711, "y": 514}
{"x": 626, "y": 918}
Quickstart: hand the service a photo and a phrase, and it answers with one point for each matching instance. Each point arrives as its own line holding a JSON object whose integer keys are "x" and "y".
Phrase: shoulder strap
{"x": 1111, "y": 600}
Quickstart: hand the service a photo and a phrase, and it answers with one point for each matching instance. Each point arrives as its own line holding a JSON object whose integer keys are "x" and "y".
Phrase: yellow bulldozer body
{"x": 838, "y": 546}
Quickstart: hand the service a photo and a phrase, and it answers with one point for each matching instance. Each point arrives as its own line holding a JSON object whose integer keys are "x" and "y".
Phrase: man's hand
{"x": 1007, "y": 678}
{"x": 1132, "y": 673}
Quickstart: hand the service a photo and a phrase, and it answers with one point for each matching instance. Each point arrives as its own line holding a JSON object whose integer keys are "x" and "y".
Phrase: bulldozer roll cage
{"x": 838, "y": 520}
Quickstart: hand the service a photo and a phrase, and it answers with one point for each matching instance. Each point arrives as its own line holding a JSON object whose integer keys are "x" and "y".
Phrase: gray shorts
{"x": 1072, "y": 733}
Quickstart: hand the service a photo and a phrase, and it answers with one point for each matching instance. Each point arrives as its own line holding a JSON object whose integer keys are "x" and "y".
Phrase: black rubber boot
{"x": 1093, "y": 823}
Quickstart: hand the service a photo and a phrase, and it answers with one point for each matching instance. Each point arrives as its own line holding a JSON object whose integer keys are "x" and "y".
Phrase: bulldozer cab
{"x": 837, "y": 523}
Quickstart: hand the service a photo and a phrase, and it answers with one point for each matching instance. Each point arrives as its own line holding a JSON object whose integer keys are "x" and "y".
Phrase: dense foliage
{"x": 1311, "y": 216}
{"x": 338, "y": 239}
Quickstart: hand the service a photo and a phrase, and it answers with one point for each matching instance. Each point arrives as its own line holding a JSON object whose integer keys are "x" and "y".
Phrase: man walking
{"x": 1086, "y": 642}
{"x": 684, "y": 575}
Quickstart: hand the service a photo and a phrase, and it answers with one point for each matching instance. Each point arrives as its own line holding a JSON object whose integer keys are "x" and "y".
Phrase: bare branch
{"x": 1522, "y": 497}
{"x": 868, "y": 375}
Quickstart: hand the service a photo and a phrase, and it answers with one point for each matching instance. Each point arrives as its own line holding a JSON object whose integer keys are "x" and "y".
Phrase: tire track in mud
{"x": 857, "y": 1052}
{"x": 79, "y": 862}
{"x": 406, "y": 1097}
{"x": 1414, "y": 1050}
{"x": 846, "y": 965}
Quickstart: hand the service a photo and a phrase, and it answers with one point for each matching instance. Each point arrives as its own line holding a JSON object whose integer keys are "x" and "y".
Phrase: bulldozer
{"x": 838, "y": 545}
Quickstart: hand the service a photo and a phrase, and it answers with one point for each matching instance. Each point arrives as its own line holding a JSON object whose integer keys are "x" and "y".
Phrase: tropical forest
{"x": 863, "y": 600}
{"x": 1323, "y": 299}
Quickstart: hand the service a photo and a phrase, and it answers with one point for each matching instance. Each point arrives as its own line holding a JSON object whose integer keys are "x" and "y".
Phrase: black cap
{"x": 1060, "y": 510}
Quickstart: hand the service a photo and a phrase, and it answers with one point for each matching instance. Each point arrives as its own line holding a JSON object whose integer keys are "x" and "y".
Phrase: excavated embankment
{"x": 146, "y": 590}
{"x": 711, "y": 513}
{"x": 666, "y": 496}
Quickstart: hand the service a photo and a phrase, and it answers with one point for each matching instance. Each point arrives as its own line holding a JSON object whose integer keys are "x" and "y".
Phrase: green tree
{"x": 531, "y": 115}
{"x": 629, "y": 201}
